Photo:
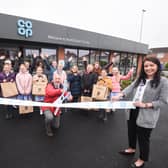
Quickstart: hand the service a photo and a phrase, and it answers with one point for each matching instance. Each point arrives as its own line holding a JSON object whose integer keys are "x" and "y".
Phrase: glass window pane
{"x": 51, "y": 54}
{"x": 71, "y": 53}
{"x": 123, "y": 60}
{"x": 135, "y": 60}
{"x": 128, "y": 62}
{"x": 82, "y": 54}
{"x": 30, "y": 52}
{"x": 116, "y": 60}
{"x": 10, "y": 53}
{"x": 94, "y": 56}
{"x": 104, "y": 58}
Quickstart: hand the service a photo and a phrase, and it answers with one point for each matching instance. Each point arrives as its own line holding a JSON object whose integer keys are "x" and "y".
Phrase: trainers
{"x": 50, "y": 134}
{"x": 104, "y": 119}
{"x": 41, "y": 112}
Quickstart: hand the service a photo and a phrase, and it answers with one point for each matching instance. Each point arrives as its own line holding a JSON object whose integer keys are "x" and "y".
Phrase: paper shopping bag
{"x": 25, "y": 109}
{"x": 9, "y": 89}
{"x": 39, "y": 88}
{"x": 100, "y": 92}
{"x": 86, "y": 99}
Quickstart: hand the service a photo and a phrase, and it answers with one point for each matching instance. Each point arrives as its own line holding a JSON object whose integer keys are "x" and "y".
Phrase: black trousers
{"x": 140, "y": 134}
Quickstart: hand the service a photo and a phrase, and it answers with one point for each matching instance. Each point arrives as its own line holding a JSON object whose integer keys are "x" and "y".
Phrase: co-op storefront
{"x": 34, "y": 37}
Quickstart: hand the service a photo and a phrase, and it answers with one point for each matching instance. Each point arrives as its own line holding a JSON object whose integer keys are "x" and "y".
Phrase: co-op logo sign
{"x": 25, "y": 28}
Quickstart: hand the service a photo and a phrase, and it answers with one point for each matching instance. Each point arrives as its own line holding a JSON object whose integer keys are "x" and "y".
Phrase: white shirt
{"x": 140, "y": 91}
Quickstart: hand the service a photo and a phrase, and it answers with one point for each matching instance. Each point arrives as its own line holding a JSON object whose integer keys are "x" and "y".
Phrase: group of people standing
{"x": 78, "y": 83}
{"x": 148, "y": 92}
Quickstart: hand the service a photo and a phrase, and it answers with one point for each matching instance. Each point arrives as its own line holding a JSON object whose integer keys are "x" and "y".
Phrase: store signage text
{"x": 68, "y": 39}
{"x": 24, "y": 28}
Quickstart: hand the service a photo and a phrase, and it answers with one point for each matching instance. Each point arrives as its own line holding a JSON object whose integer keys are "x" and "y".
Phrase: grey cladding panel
{"x": 62, "y": 35}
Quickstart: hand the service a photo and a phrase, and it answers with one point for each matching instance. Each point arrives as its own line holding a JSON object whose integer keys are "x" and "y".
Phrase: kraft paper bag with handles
{"x": 9, "y": 89}
{"x": 39, "y": 88}
{"x": 25, "y": 109}
{"x": 86, "y": 99}
{"x": 100, "y": 92}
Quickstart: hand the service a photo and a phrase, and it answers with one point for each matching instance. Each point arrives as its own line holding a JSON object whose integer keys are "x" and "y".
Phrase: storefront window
{"x": 123, "y": 61}
{"x": 116, "y": 60}
{"x": 135, "y": 63}
{"x": 71, "y": 53}
{"x": 128, "y": 62}
{"x": 50, "y": 53}
{"x": 94, "y": 56}
{"x": 10, "y": 53}
{"x": 104, "y": 58}
{"x": 135, "y": 60}
{"x": 30, "y": 52}
{"x": 83, "y": 54}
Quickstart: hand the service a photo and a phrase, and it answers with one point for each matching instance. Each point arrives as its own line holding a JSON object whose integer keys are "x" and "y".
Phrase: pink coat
{"x": 116, "y": 83}
{"x": 24, "y": 83}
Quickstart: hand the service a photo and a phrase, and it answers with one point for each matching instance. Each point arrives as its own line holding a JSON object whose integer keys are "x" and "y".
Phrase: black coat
{"x": 88, "y": 80}
{"x": 74, "y": 84}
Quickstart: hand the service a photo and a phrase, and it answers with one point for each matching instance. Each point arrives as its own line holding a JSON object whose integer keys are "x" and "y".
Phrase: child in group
{"x": 24, "y": 83}
{"x": 7, "y": 76}
{"x": 117, "y": 78}
{"x": 106, "y": 81}
{"x": 42, "y": 78}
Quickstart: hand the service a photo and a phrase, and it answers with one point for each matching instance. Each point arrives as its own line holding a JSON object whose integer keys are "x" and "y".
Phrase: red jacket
{"x": 52, "y": 94}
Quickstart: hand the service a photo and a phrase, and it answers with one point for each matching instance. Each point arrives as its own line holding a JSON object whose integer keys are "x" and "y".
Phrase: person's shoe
{"x": 50, "y": 134}
{"x": 104, "y": 119}
{"x": 41, "y": 112}
{"x": 8, "y": 116}
{"x": 133, "y": 165}
{"x": 124, "y": 152}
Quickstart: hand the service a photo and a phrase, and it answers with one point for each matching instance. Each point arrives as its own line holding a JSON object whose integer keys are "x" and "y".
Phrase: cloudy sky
{"x": 120, "y": 18}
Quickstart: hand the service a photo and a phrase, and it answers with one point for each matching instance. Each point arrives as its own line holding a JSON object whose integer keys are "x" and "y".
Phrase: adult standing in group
{"x": 148, "y": 93}
{"x": 52, "y": 68}
{"x": 89, "y": 78}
